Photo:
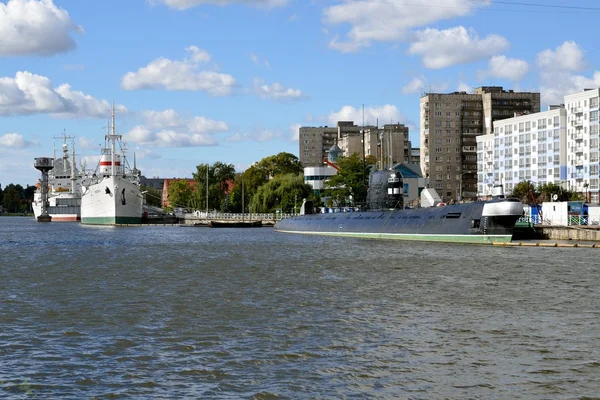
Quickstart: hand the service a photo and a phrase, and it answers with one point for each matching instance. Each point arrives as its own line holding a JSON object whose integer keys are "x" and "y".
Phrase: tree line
{"x": 16, "y": 198}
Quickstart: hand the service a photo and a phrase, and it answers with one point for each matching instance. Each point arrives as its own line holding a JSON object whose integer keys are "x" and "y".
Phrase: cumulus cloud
{"x": 558, "y": 69}
{"x": 566, "y": 57}
{"x": 16, "y": 141}
{"x": 464, "y": 87}
{"x": 506, "y": 68}
{"x": 35, "y": 27}
{"x": 416, "y": 85}
{"x": 28, "y": 93}
{"x": 441, "y": 49}
{"x": 168, "y": 129}
{"x": 276, "y": 91}
{"x": 185, "y": 4}
{"x": 257, "y": 60}
{"x": 419, "y": 85}
{"x": 259, "y": 134}
{"x": 387, "y": 21}
{"x": 295, "y": 132}
{"x": 184, "y": 75}
{"x": 553, "y": 91}
{"x": 384, "y": 114}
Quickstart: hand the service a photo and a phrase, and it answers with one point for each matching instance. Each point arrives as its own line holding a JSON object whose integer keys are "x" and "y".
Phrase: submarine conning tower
{"x": 44, "y": 164}
{"x": 386, "y": 189}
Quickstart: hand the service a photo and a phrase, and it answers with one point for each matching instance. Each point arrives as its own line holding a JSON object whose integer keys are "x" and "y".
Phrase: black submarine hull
{"x": 486, "y": 222}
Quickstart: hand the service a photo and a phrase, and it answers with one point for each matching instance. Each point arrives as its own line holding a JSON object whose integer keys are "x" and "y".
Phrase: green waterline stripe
{"x": 111, "y": 220}
{"x": 476, "y": 239}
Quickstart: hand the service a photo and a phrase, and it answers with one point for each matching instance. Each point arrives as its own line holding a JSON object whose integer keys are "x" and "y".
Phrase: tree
{"x": 220, "y": 175}
{"x": 153, "y": 196}
{"x": 12, "y": 198}
{"x": 524, "y": 191}
{"x": 351, "y": 180}
{"x": 180, "y": 194}
{"x": 280, "y": 164}
{"x": 282, "y": 192}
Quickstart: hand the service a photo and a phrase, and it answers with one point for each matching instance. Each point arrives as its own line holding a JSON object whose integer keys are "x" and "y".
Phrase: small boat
{"x": 234, "y": 224}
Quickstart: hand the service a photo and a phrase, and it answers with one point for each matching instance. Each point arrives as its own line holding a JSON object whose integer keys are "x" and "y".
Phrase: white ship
{"x": 64, "y": 189}
{"x": 112, "y": 195}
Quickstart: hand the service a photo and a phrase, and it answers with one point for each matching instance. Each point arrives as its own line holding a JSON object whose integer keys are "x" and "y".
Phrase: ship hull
{"x": 63, "y": 207}
{"x": 112, "y": 201}
{"x": 479, "y": 223}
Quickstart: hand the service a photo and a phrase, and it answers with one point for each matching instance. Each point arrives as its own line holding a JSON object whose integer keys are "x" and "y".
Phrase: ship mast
{"x": 112, "y": 155}
{"x": 73, "y": 178}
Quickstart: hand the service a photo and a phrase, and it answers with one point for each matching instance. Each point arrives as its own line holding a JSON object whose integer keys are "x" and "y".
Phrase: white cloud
{"x": 441, "y": 49}
{"x": 557, "y": 72}
{"x": 506, "y": 68}
{"x": 553, "y": 90}
{"x": 464, "y": 87}
{"x": 257, "y": 135}
{"x": 16, "y": 141}
{"x": 386, "y": 21}
{"x": 35, "y": 27}
{"x": 566, "y": 57}
{"x": 163, "y": 73}
{"x": 295, "y": 132}
{"x": 257, "y": 60}
{"x": 276, "y": 91}
{"x": 384, "y": 114}
{"x": 419, "y": 85}
{"x": 185, "y": 4}
{"x": 28, "y": 93}
{"x": 416, "y": 85}
{"x": 168, "y": 129}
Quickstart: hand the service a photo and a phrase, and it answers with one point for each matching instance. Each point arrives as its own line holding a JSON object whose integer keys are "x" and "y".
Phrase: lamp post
{"x": 585, "y": 186}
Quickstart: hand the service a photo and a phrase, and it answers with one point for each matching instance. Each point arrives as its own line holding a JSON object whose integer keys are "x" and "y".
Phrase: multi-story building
{"x": 529, "y": 147}
{"x": 450, "y": 124}
{"x": 582, "y": 112}
{"x": 389, "y": 144}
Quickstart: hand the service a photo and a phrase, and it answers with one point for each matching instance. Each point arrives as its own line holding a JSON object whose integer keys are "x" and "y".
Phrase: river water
{"x": 175, "y": 312}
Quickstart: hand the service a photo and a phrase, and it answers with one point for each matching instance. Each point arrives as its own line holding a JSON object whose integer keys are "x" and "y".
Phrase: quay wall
{"x": 569, "y": 233}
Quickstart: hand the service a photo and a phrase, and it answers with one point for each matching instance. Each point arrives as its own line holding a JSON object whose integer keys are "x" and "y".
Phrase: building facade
{"x": 389, "y": 144}
{"x": 582, "y": 151}
{"x": 529, "y": 147}
{"x": 449, "y": 127}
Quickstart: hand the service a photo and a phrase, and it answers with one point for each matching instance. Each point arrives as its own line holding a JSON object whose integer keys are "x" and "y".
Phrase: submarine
{"x": 384, "y": 217}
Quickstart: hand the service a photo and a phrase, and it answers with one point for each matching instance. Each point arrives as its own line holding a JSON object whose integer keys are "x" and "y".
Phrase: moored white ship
{"x": 64, "y": 189}
{"x": 112, "y": 196}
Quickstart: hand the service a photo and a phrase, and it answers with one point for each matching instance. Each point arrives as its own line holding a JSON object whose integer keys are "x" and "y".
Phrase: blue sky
{"x": 200, "y": 81}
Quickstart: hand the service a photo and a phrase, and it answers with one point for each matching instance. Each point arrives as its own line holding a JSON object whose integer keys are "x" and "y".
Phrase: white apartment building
{"x": 582, "y": 146}
{"x": 529, "y": 147}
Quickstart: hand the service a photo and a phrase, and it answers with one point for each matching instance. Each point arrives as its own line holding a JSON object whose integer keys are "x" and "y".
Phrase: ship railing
{"x": 216, "y": 215}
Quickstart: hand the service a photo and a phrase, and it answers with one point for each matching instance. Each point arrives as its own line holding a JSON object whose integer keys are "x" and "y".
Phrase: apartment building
{"x": 529, "y": 147}
{"x": 390, "y": 144}
{"x": 449, "y": 127}
{"x": 582, "y": 112}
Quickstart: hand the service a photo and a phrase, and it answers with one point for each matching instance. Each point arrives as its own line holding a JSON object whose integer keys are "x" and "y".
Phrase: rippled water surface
{"x": 175, "y": 312}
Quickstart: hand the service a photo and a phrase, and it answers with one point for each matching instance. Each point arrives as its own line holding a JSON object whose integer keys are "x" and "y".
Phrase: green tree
{"x": 12, "y": 198}
{"x": 350, "y": 182}
{"x": 1, "y": 194}
{"x": 525, "y": 191}
{"x": 153, "y": 196}
{"x": 180, "y": 194}
{"x": 283, "y": 192}
{"x": 220, "y": 176}
{"x": 279, "y": 164}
